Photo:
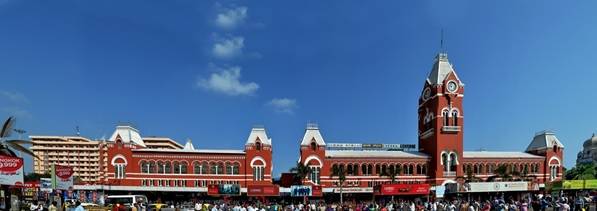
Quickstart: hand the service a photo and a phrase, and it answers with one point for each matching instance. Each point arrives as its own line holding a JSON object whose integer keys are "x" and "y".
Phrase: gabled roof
{"x": 189, "y": 145}
{"x": 127, "y": 134}
{"x": 258, "y": 133}
{"x": 441, "y": 70}
{"x": 488, "y": 154}
{"x": 543, "y": 140}
{"x": 312, "y": 133}
{"x": 374, "y": 154}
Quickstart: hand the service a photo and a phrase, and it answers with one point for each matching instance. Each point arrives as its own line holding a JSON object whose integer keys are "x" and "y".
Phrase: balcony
{"x": 451, "y": 129}
{"x": 449, "y": 174}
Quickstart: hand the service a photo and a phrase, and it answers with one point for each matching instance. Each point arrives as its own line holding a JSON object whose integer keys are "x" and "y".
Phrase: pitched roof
{"x": 258, "y": 133}
{"x": 312, "y": 133}
{"x": 495, "y": 154}
{"x": 543, "y": 140}
{"x": 440, "y": 70}
{"x": 374, "y": 154}
{"x": 128, "y": 134}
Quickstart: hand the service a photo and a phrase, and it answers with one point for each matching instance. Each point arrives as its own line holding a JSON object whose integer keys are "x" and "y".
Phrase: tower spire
{"x": 441, "y": 42}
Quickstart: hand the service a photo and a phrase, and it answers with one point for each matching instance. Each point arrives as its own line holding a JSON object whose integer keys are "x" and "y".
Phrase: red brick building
{"x": 440, "y": 157}
{"x": 132, "y": 166}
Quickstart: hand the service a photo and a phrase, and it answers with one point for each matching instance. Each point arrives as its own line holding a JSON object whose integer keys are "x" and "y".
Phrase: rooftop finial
{"x": 441, "y": 42}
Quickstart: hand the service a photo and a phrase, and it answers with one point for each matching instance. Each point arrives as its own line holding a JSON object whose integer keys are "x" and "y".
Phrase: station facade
{"x": 131, "y": 164}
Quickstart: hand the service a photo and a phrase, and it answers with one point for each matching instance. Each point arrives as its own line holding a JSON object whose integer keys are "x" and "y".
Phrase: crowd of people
{"x": 534, "y": 203}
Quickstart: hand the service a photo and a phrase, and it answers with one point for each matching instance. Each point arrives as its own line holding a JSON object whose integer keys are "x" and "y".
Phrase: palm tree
{"x": 502, "y": 172}
{"x": 340, "y": 172}
{"x": 392, "y": 173}
{"x": 300, "y": 171}
{"x": 7, "y": 146}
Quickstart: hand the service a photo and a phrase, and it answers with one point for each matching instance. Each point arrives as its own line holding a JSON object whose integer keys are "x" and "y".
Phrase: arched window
{"x": 119, "y": 168}
{"x": 445, "y": 162}
{"x": 176, "y": 166}
{"x": 455, "y": 117}
{"x": 184, "y": 167}
{"x": 364, "y": 170}
{"x": 213, "y": 168}
{"x": 258, "y": 146}
{"x": 160, "y": 167}
{"x": 313, "y": 146}
{"x": 204, "y": 167}
{"x": 377, "y": 169}
{"x": 349, "y": 169}
{"x": 446, "y": 117}
{"x": 152, "y": 167}
{"x": 144, "y": 167}
{"x": 235, "y": 168}
{"x": 355, "y": 168}
{"x": 384, "y": 168}
{"x": 167, "y": 167}
{"x": 228, "y": 168}
{"x": 220, "y": 168}
{"x": 196, "y": 167}
{"x": 453, "y": 162}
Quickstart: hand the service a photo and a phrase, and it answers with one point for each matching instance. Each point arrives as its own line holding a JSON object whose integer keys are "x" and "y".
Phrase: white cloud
{"x": 227, "y": 48}
{"x": 230, "y": 18}
{"x": 14, "y": 103}
{"x": 227, "y": 81}
{"x": 283, "y": 105}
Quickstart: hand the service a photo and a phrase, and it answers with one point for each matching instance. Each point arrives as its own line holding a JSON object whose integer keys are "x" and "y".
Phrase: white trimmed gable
{"x": 312, "y": 133}
{"x": 258, "y": 133}
{"x": 544, "y": 140}
{"x": 128, "y": 134}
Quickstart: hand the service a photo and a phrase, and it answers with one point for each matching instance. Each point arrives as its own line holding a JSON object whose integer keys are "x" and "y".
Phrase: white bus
{"x": 126, "y": 200}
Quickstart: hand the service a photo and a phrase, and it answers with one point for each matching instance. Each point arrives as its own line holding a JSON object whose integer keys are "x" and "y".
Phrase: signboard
{"x": 591, "y": 184}
{"x": 263, "y": 190}
{"x": 300, "y": 190}
{"x": 474, "y": 187}
{"x": 354, "y": 190}
{"x": 573, "y": 184}
{"x": 212, "y": 189}
{"x": 440, "y": 191}
{"x": 11, "y": 170}
{"x": 62, "y": 177}
{"x": 45, "y": 184}
{"x": 316, "y": 191}
{"x": 402, "y": 189}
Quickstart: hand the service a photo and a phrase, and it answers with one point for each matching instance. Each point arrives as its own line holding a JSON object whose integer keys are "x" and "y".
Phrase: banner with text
{"x": 263, "y": 190}
{"x": 402, "y": 189}
{"x": 11, "y": 170}
{"x": 62, "y": 177}
{"x": 473, "y": 187}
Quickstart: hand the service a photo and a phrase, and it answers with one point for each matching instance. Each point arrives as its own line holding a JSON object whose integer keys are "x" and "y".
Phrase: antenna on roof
{"x": 441, "y": 42}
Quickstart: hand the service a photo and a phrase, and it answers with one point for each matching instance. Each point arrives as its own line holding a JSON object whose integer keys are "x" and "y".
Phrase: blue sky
{"x": 209, "y": 70}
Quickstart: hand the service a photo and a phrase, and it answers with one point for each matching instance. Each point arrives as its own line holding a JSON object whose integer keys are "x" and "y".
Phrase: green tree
{"x": 502, "y": 172}
{"x": 582, "y": 172}
{"x": 340, "y": 173}
{"x": 300, "y": 171}
{"x": 392, "y": 173}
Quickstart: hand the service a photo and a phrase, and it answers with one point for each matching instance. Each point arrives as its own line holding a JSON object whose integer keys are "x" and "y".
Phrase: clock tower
{"x": 441, "y": 120}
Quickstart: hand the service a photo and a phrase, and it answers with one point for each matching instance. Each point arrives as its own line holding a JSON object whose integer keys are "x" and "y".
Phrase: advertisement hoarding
{"x": 591, "y": 184}
{"x": 62, "y": 177}
{"x": 300, "y": 190}
{"x": 402, "y": 189}
{"x": 11, "y": 170}
{"x": 474, "y": 187}
{"x": 573, "y": 184}
{"x": 263, "y": 190}
{"x": 45, "y": 184}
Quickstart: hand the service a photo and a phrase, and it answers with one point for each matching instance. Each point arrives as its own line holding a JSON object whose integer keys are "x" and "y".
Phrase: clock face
{"x": 452, "y": 86}
{"x": 426, "y": 94}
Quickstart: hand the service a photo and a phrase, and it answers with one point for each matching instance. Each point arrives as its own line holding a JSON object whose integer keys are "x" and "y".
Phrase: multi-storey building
{"x": 440, "y": 158}
{"x": 87, "y": 157}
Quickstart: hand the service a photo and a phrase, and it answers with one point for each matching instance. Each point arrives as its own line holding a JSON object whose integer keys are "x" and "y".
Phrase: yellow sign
{"x": 573, "y": 184}
{"x": 591, "y": 184}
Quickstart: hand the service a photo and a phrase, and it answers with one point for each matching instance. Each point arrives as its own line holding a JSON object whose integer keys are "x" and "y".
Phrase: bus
{"x": 127, "y": 201}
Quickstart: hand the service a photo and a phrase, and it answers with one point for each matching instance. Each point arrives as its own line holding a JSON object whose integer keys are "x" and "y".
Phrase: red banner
{"x": 317, "y": 191}
{"x": 402, "y": 189}
{"x": 263, "y": 190}
{"x": 64, "y": 172}
{"x": 212, "y": 190}
{"x": 10, "y": 165}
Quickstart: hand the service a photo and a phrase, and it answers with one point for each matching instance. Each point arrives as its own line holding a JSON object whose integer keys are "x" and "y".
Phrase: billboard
{"x": 573, "y": 184}
{"x": 11, "y": 170}
{"x": 591, "y": 184}
{"x": 263, "y": 190}
{"x": 402, "y": 189}
{"x": 62, "y": 177}
{"x": 300, "y": 190}
{"x": 45, "y": 184}
{"x": 223, "y": 189}
{"x": 474, "y": 187}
